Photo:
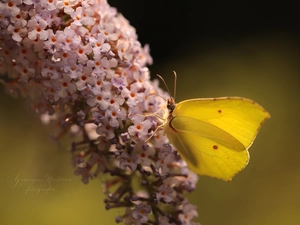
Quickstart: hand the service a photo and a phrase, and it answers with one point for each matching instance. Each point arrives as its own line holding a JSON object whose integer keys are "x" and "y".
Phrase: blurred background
{"x": 217, "y": 49}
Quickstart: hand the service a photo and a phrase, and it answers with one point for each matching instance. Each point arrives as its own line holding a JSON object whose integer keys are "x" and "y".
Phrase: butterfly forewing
{"x": 239, "y": 117}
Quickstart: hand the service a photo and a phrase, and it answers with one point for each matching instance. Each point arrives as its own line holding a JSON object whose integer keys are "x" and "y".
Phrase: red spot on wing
{"x": 215, "y": 147}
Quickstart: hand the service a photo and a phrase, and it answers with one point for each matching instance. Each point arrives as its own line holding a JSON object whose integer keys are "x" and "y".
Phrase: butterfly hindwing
{"x": 220, "y": 157}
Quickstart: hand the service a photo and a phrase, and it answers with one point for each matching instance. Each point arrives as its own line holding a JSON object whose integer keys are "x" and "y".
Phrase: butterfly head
{"x": 170, "y": 101}
{"x": 170, "y": 105}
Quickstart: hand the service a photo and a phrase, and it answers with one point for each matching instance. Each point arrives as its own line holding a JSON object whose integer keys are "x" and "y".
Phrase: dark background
{"x": 181, "y": 28}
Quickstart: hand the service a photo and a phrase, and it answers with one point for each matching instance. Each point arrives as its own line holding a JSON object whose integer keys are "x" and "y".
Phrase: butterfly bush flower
{"x": 81, "y": 68}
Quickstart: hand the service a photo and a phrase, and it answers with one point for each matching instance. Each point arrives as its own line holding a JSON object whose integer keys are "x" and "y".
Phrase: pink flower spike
{"x": 165, "y": 193}
{"x": 106, "y": 130}
{"x": 129, "y": 161}
{"x": 80, "y": 66}
{"x": 10, "y": 8}
{"x": 141, "y": 212}
{"x": 140, "y": 128}
{"x": 145, "y": 154}
{"x": 189, "y": 212}
{"x": 37, "y": 29}
{"x": 66, "y": 5}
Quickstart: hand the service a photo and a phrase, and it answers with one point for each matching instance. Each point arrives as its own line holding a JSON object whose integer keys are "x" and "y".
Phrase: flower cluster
{"x": 80, "y": 66}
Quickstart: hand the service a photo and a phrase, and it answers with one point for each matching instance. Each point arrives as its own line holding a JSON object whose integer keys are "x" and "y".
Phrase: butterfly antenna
{"x": 175, "y": 85}
{"x": 162, "y": 79}
{"x": 162, "y": 97}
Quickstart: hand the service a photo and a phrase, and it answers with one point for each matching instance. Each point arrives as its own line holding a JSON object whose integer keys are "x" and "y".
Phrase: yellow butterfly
{"x": 213, "y": 134}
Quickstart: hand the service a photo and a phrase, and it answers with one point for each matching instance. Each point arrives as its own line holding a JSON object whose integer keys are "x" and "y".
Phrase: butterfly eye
{"x": 170, "y": 104}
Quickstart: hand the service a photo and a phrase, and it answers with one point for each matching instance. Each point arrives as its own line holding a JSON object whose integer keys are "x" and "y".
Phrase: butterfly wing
{"x": 240, "y": 117}
{"x": 213, "y": 135}
{"x": 206, "y": 153}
